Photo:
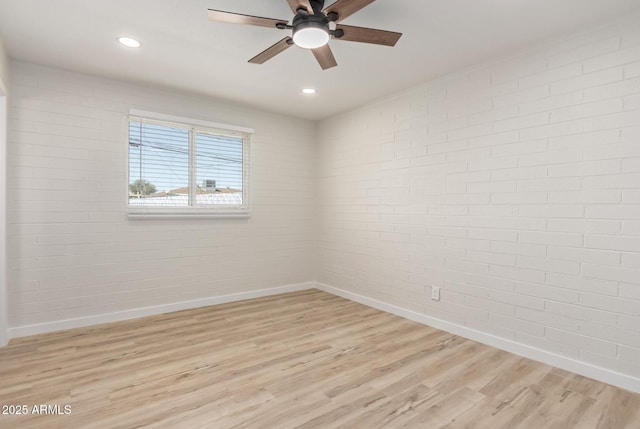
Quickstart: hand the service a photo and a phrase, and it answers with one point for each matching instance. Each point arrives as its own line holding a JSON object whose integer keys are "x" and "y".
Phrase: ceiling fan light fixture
{"x": 310, "y": 35}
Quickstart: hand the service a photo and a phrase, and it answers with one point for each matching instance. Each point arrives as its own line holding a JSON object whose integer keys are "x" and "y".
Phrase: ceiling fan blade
{"x": 368, "y": 35}
{"x": 325, "y": 57}
{"x": 272, "y": 51}
{"x": 297, "y": 4}
{"x": 345, "y": 8}
{"x": 238, "y": 18}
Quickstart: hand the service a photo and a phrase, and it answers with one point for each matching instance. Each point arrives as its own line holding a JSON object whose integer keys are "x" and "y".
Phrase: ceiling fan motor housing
{"x": 306, "y": 21}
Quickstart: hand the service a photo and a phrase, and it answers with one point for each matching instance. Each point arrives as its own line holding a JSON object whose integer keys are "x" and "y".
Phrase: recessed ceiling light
{"x": 129, "y": 42}
{"x": 308, "y": 91}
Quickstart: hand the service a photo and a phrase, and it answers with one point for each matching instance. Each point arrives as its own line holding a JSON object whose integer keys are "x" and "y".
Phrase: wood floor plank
{"x": 306, "y": 360}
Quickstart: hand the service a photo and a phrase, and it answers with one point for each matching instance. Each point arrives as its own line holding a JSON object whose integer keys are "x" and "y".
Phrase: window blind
{"x": 175, "y": 166}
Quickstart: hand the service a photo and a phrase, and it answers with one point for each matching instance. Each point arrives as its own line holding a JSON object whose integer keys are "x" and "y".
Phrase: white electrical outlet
{"x": 435, "y": 293}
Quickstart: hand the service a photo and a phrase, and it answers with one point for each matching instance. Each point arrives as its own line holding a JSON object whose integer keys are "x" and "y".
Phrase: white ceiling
{"x": 183, "y": 50}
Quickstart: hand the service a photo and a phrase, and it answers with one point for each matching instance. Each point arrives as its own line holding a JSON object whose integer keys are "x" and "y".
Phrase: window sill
{"x": 191, "y": 213}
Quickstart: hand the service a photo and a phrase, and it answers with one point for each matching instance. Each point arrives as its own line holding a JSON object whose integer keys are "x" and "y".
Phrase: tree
{"x": 142, "y": 187}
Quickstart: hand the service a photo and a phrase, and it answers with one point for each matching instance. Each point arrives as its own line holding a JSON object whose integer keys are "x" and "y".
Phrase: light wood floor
{"x": 305, "y": 359}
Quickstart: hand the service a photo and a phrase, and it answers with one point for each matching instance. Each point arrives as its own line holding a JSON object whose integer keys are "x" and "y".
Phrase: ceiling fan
{"x": 312, "y": 27}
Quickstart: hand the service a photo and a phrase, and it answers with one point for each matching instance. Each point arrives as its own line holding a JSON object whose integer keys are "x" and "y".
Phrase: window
{"x": 186, "y": 167}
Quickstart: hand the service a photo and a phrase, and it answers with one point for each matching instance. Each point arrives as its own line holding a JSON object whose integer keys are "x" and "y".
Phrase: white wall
{"x": 514, "y": 186}
{"x": 4, "y": 83}
{"x": 72, "y": 251}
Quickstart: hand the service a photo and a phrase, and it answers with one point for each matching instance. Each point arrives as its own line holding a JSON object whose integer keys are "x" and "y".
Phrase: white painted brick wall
{"x": 524, "y": 208}
{"x": 72, "y": 250}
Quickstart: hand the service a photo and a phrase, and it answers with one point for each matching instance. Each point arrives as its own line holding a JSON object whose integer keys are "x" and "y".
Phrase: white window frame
{"x": 194, "y": 125}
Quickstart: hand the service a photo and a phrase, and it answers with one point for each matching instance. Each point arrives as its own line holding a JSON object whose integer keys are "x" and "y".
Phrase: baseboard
{"x": 59, "y": 325}
{"x": 588, "y": 370}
